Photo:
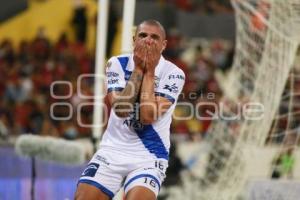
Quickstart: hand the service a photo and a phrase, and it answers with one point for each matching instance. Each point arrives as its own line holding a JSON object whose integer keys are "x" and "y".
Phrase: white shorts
{"x": 110, "y": 170}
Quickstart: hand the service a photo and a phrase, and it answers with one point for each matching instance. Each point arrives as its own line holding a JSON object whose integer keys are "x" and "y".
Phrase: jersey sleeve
{"x": 170, "y": 86}
{"x": 115, "y": 80}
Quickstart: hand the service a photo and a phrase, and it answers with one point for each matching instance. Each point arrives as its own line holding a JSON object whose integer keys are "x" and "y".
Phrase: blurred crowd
{"x": 200, "y": 60}
{"x": 26, "y": 75}
{"x": 42, "y": 92}
{"x": 32, "y": 102}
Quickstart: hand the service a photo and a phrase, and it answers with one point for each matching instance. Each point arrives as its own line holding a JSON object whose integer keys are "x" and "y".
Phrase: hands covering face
{"x": 146, "y": 54}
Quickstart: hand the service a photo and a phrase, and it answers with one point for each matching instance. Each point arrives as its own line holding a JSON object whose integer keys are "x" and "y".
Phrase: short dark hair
{"x": 152, "y": 22}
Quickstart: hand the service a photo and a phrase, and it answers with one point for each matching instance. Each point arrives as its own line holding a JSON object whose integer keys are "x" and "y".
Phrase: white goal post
{"x": 101, "y": 36}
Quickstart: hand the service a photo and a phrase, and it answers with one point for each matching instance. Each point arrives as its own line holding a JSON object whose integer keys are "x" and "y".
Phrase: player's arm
{"x": 123, "y": 101}
{"x": 155, "y": 104}
{"x": 151, "y": 106}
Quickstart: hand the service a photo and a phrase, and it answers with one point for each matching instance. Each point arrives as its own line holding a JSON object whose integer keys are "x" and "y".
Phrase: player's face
{"x": 150, "y": 35}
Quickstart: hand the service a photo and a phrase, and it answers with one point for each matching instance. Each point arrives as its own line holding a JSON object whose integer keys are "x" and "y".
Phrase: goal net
{"x": 265, "y": 83}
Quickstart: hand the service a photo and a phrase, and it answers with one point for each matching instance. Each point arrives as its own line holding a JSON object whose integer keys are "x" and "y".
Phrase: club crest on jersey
{"x": 171, "y": 88}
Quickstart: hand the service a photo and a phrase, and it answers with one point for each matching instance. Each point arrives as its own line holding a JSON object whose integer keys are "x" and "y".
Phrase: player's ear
{"x": 164, "y": 45}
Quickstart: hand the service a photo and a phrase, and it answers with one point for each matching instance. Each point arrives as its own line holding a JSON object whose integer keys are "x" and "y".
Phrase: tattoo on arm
{"x": 126, "y": 99}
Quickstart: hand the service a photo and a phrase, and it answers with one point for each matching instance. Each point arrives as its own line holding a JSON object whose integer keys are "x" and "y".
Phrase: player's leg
{"x": 140, "y": 193}
{"x": 101, "y": 179}
{"x": 89, "y": 192}
{"x": 144, "y": 183}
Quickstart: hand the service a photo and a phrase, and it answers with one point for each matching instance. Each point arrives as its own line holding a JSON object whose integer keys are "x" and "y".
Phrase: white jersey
{"x": 128, "y": 135}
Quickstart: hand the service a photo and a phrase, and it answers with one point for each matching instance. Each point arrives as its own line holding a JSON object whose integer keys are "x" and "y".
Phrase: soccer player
{"x": 143, "y": 89}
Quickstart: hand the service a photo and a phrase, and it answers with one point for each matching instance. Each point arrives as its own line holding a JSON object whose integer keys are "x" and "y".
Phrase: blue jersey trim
{"x": 99, "y": 186}
{"x": 165, "y": 96}
{"x": 148, "y": 135}
{"x": 124, "y": 62}
{"x": 114, "y": 89}
{"x": 141, "y": 176}
{"x": 152, "y": 141}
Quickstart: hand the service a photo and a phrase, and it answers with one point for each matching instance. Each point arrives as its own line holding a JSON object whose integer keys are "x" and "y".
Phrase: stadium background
{"x": 42, "y": 41}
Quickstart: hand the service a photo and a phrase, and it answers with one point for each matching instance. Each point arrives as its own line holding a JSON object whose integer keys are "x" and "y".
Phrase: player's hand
{"x": 153, "y": 57}
{"x": 140, "y": 54}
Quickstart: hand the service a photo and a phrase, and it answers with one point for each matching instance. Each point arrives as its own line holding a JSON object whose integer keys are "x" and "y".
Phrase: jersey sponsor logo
{"x": 90, "y": 170}
{"x": 113, "y": 81}
{"x": 112, "y": 74}
{"x": 176, "y": 76}
{"x": 133, "y": 119}
{"x": 102, "y": 159}
{"x": 171, "y": 88}
{"x": 135, "y": 124}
